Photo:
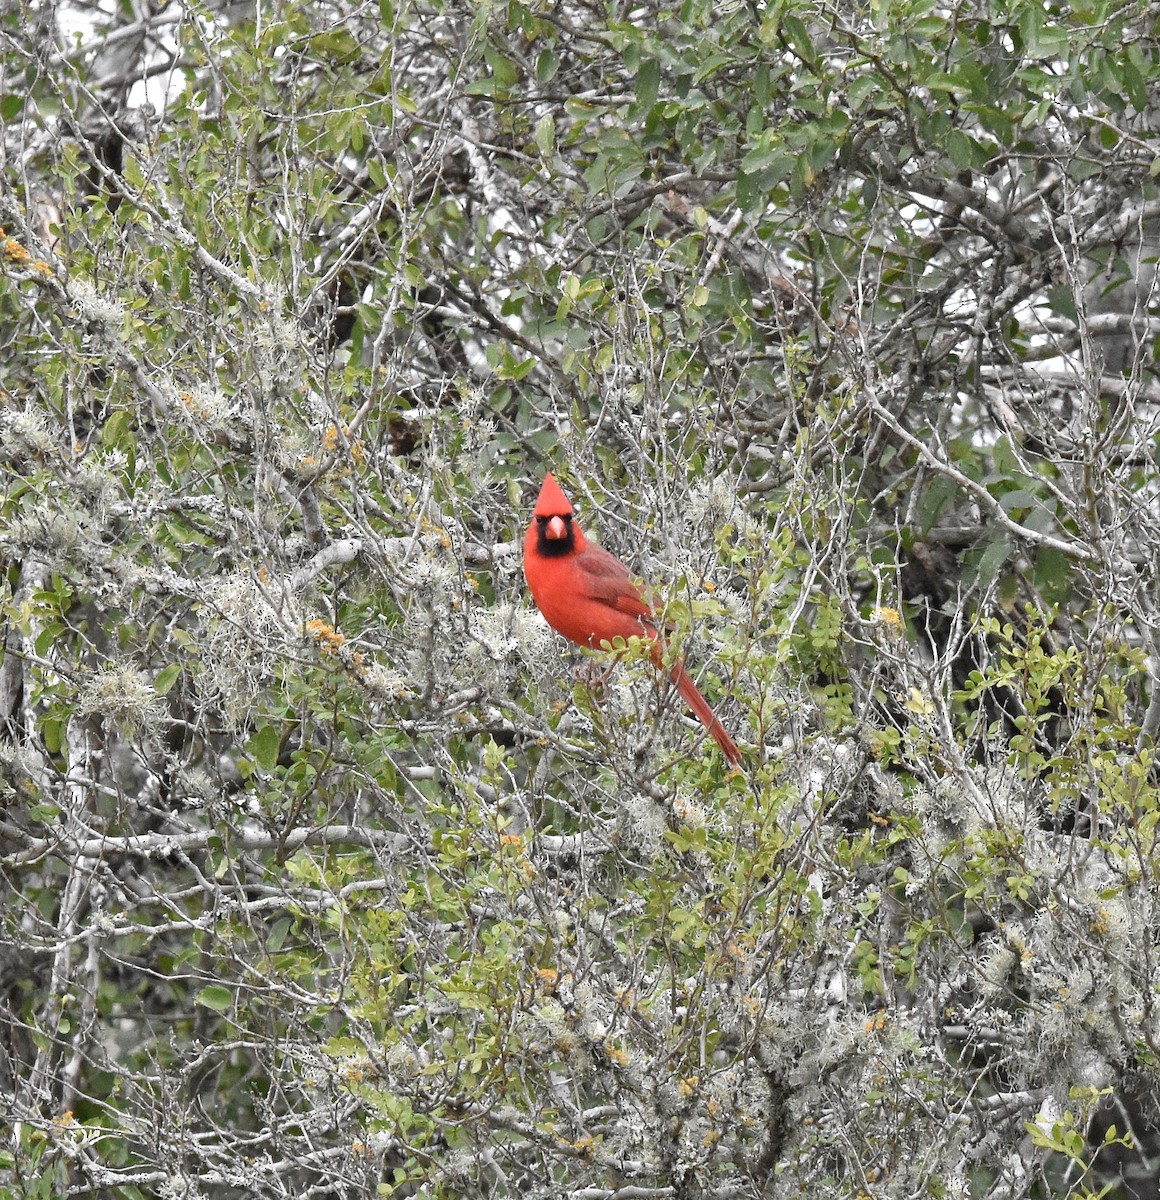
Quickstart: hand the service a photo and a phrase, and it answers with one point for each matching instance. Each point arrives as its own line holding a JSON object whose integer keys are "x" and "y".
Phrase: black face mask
{"x": 555, "y": 547}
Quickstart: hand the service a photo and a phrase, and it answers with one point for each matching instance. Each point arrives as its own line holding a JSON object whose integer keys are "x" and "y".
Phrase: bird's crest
{"x": 551, "y": 502}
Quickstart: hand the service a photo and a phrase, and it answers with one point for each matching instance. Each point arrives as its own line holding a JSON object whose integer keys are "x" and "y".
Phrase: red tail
{"x": 704, "y": 713}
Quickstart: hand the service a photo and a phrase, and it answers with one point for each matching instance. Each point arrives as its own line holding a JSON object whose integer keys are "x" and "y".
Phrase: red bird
{"x": 589, "y": 596}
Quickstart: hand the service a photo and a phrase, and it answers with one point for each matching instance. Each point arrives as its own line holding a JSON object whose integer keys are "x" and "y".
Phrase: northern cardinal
{"x": 590, "y": 597}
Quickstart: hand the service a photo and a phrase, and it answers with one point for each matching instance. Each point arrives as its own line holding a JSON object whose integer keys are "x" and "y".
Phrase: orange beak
{"x": 556, "y": 529}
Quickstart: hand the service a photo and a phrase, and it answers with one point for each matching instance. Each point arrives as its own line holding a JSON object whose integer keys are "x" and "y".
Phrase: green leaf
{"x": 133, "y": 173}
{"x": 217, "y": 997}
{"x": 798, "y": 37}
{"x": 1018, "y": 499}
{"x": 52, "y": 732}
{"x": 1052, "y": 573}
{"x": 46, "y": 638}
{"x": 116, "y": 427}
{"x": 166, "y": 678}
{"x": 276, "y": 938}
{"x": 961, "y": 149}
{"x": 934, "y": 499}
{"x": 991, "y": 562}
{"x": 547, "y": 64}
{"x": 545, "y": 134}
{"x": 1062, "y": 300}
{"x": 865, "y": 87}
{"x": 263, "y": 748}
{"x": 503, "y": 69}
{"x": 648, "y": 82}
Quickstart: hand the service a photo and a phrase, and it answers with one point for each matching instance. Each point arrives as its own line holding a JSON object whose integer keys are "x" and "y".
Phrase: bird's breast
{"x": 560, "y": 592}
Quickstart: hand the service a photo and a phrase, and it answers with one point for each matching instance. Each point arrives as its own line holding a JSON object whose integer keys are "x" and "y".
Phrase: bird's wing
{"x": 610, "y": 582}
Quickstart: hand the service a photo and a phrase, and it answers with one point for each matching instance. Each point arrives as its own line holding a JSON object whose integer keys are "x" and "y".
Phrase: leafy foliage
{"x": 328, "y": 874}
